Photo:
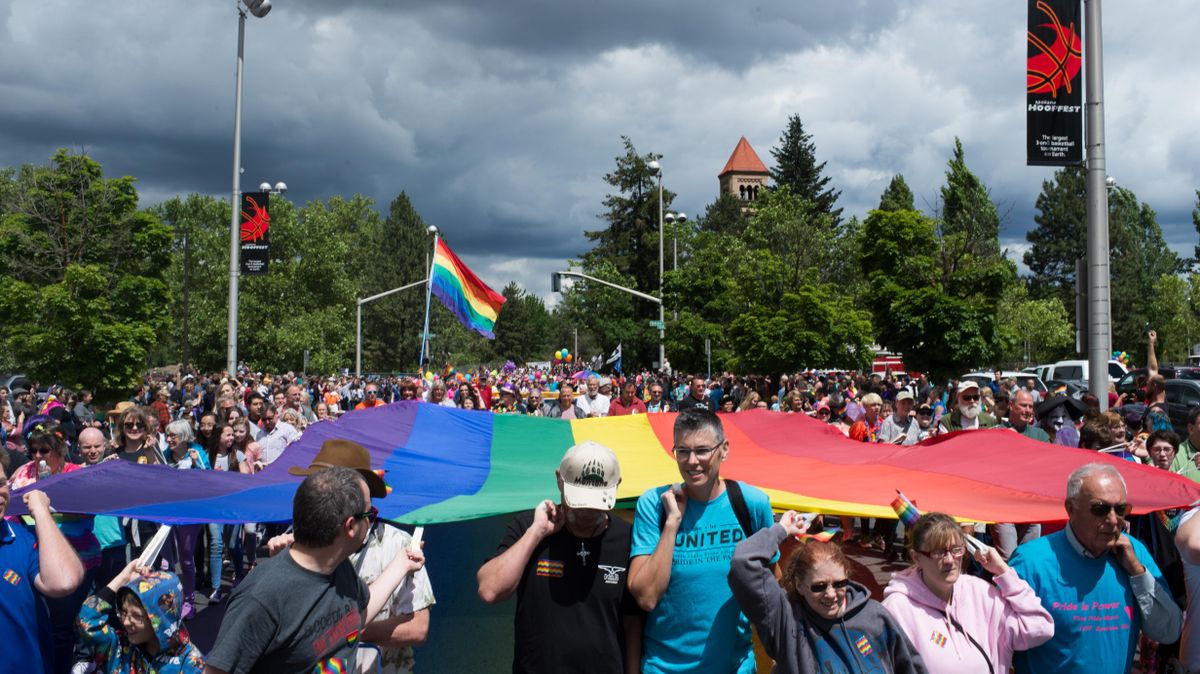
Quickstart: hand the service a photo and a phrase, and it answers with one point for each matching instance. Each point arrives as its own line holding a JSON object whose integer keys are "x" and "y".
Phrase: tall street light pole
{"x": 258, "y": 8}
{"x": 1099, "y": 328}
{"x": 662, "y": 351}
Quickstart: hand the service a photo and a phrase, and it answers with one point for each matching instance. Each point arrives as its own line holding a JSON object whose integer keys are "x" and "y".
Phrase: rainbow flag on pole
{"x": 468, "y": 298}
{"x": 905, "y": 510}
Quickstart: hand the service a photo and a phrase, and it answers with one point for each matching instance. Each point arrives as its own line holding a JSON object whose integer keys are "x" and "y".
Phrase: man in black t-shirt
{"x": 303, "y": 610}
{"x": 567, "y": 564}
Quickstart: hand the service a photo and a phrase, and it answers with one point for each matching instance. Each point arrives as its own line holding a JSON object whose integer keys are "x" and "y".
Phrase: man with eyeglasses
{"x": 303, "y": 610}
{"x": 276, "y": 436}
{"x": 697, "y": 396}
{"x": 403, "y": 622}
{"x": 683, "y": 540}
{"x": 1101, "y": 586}
{"x": 968, "y": 414}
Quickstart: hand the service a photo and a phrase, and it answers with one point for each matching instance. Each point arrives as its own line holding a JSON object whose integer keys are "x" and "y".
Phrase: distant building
{"x": 744, "y": 174}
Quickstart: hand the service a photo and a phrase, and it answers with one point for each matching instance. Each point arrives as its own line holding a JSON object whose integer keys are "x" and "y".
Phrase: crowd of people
{"x": 678, "y": 589}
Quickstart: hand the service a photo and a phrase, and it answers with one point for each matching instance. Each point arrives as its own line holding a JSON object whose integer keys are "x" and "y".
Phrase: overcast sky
{"x": 500, "y": 119}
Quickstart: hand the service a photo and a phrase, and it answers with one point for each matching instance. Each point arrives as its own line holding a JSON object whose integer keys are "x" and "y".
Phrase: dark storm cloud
{"x": 500, "y": 119}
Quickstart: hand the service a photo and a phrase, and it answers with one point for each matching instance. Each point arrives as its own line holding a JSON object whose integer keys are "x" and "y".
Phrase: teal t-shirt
{"x": 697, "y": 626}
{"x": 107, "y": 530}
{"x": 1096, "y": 617}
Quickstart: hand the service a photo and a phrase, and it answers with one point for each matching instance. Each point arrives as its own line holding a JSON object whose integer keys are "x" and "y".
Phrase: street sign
{"x": 658, "y": 324}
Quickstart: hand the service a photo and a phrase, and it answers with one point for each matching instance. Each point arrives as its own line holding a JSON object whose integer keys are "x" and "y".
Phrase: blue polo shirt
{"x": 24, "y": 626}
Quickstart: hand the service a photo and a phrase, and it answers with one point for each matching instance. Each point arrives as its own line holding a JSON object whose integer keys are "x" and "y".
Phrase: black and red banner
{"x": 1054, "y": 84}
{"x": 256, "y": 229}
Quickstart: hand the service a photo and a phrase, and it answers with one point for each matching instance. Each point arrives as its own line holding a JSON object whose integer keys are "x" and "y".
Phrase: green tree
{"x": 1173, "y": 317}
{"x": 1059, "y": 238}
{"x": 897, "y": 196}
{"x": 605, "y": 316}
{"x": 969, "y": 224}
{"x": 810, "y": 327}
{"x": 944, "y": 320}
{"x": 629, "y": 246}
{"x": 198, "y": 277}
{"x": 726, "y": 215}
{"x": 796, "y": 167}
{"x": 1038, "y": 330}
{"x": 1138, "y": 260}
{"x": 391, "y": 253}
{"x": 81, "y": 274}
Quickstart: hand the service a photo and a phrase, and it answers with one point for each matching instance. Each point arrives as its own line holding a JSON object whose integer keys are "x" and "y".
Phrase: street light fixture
{"x": 674, "y": 218}
{"x": 258, "y": 8}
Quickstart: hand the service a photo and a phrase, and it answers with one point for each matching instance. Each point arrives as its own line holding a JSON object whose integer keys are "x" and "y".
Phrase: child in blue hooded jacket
{"x": 151, "y": 636}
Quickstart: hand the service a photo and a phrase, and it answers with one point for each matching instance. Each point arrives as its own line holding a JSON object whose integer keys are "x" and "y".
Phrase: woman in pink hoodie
{"x": 960, "y": 623}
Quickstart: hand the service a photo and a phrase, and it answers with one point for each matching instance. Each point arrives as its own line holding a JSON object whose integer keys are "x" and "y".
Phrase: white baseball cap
{"x": 590, "y": 474}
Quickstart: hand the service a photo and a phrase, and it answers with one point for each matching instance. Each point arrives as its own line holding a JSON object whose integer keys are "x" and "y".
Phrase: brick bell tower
{"x": 744, "y": 174}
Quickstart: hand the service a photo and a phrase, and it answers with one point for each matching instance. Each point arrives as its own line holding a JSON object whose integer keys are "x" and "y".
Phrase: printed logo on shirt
{"x": 863, "y": 645}
{"x": 548, "y": 568}
{"x": 331, "y": 666}
{"x": 12, "y": 577}
{"x": 938, "y": 638}
{"x": 612, "y": 574}
{"x": 345, "y": 627}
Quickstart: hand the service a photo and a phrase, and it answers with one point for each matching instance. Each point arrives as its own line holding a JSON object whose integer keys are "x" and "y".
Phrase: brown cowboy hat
{"x": 347, "y": 454}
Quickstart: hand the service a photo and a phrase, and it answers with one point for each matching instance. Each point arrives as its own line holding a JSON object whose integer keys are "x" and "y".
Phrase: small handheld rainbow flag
{"x": 468, "y": 298}
{"x": 905, "y": 510}
{"x": 824, "y": 536}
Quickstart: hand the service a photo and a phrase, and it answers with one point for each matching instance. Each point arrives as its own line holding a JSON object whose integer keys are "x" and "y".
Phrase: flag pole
{"x": 428, "y": 295}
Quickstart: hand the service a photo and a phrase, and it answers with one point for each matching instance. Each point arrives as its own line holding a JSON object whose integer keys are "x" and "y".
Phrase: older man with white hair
{"x": 593, "y": 403}
{"x": 1101, "y": 586}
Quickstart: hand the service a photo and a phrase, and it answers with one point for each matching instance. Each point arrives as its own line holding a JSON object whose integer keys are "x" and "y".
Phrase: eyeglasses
{"x": 1102, "y": 509}
{"x": 370, "y": 516}
{"x": 819, "y": 588}
{"x": 134, "y": 425}
{"x": 372, "y": 392}
{"x": 702, "y": 453}
{"x": 39, "y": 450}
{"x": 925, "y": 413}
{"x": 955, "y": 551}
{"x": 970, "y": 399}
{"x": 132, "y": 617}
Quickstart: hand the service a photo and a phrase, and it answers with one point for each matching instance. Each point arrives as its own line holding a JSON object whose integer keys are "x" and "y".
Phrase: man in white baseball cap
{"x": 968, "y": 414}
{"x": 901, "y": 428}
{"x": 567, "y": 564}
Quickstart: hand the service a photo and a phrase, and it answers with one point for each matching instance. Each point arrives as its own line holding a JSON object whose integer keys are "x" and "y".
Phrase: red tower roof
{"x": 743, "y": 160}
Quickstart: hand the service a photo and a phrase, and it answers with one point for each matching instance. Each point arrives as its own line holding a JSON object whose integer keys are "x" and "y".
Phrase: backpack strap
{"x": 738, "y": 502}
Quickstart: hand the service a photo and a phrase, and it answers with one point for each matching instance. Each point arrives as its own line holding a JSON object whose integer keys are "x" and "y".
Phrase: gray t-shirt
{"x": 284, "y": 618}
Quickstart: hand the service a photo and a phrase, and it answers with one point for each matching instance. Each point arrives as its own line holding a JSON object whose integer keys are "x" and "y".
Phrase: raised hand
{"x": 548, "y": 518}
{"x": 991, "y": 560}
{"x": 793, "y": 523}
{"x": 674, "y": 503}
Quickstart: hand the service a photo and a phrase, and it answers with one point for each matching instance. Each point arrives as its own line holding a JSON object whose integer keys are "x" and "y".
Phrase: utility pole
{"x": 1099, "y": 325}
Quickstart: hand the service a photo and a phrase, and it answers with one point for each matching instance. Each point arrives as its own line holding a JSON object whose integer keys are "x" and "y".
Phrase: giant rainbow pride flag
{"x": 446, "y": 464}
{"x": 468, "y": 298}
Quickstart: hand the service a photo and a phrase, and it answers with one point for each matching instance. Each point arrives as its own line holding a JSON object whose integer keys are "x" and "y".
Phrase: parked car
{"x": 1182, "y": 396}
{"x": 1076, "y": 371}
{"x": 15, "y": 381}
{"x": 1128, "y": 383}
{"x": 985, "y": 378}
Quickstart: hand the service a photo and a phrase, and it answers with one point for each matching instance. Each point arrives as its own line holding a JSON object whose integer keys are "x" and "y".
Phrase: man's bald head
{"x": 91, "y": 445}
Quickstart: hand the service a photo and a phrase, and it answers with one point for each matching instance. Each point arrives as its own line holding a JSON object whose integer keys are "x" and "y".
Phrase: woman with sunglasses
{"x": 961, "y": 623}
{"x": 132, "y": 438}
{"x": 815, "y": 619}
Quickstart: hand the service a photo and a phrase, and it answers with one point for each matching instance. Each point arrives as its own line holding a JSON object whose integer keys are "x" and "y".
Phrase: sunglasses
{"x": 970, "y": 399}
{"x": 39, "y": 450}
{"x": 134, "y": 424}
{"x": 1102, "y": 509}
{"x": 370, "y": 516}
{"x": 819, "y": 588}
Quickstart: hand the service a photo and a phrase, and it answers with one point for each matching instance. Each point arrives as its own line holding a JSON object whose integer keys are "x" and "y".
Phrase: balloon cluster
{"x": 1121, "y": 357}
{"x": 563, "y": 356}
